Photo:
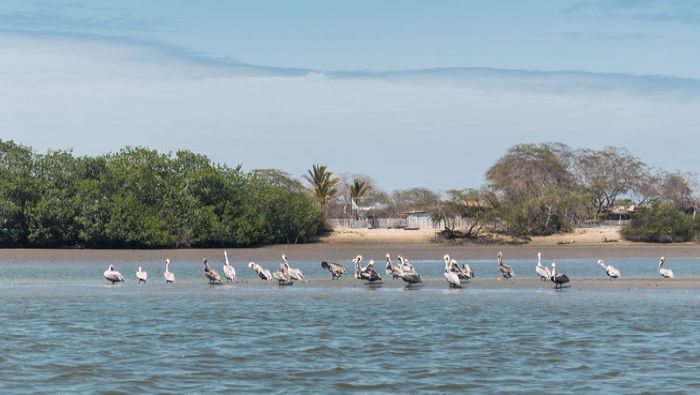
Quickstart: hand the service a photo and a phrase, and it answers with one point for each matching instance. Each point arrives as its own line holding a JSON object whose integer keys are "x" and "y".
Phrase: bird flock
{"x": 455, "y": 275}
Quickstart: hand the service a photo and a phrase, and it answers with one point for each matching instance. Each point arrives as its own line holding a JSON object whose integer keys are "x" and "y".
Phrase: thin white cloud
{"x": 439, "y": 128}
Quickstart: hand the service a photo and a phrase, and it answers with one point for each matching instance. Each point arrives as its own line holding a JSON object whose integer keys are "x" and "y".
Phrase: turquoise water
{"x": 65, "y": 331}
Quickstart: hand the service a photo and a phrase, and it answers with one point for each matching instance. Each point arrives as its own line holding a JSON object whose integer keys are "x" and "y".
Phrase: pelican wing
{"x": 229, "y": 272}
{"x": 169, "y": 277}
{"x": 452, "y": 278}
{"x": 143, "y": 276}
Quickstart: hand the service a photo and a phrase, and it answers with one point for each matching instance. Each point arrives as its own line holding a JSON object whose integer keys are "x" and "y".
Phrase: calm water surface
{"x": 64, "y": 330}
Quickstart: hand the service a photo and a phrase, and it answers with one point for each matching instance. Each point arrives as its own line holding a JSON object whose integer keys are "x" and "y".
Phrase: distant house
{"x": 619, "y": 213}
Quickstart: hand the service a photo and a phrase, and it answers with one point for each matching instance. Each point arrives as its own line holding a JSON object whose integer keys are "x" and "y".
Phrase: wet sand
{"x": 324, "y": 251}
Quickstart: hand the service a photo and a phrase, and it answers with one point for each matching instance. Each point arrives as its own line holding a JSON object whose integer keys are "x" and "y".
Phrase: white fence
{"x": 412, "y": 222}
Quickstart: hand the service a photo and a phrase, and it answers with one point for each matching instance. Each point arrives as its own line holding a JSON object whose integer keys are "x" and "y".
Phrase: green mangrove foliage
{"x": 139, "y": 198}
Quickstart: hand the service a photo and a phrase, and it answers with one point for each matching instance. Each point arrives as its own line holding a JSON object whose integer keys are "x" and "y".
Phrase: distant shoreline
{"x": 346, "y": 251}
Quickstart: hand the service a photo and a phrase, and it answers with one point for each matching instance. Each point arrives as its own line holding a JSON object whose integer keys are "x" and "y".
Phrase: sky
{"x": 411, "y": 93}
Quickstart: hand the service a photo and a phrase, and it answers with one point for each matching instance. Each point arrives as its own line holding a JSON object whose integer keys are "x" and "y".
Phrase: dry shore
{"x": 589, "y": 243}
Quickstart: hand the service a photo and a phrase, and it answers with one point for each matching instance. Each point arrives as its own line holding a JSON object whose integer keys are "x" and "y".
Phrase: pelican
{"x": 558, "y": 279}
{"x": 169, "y": 276}
{"x": 292, "y": 272}
{"x": 465, "y": 273}
{"x": 337, "y": 270}
{"x": 229, "y": 271}
{"x": 451, "y": 277}
{"x": 542, "y": 271}
{"x": 263, "y": 273}
{"x": 665, "y": 273}
{"x": 365, "y": 273}
{"x": 141, "y": 275}
{"x": 113, "y": 275}
{"x": 391, "y": 269}
{"x": 610, "y": 270}
{"x": 506, "y": 271}
{"x": 210, "y": 274}
{"x": 406, "y": 265}
{"x": 282, "y": 276}
{"x": 410, "y": 278}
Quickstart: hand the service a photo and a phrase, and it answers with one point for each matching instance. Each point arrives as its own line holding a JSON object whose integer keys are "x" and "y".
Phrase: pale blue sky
{"x": 393, "y": 89}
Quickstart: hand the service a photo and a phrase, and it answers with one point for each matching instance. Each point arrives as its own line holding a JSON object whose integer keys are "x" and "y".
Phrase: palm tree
{"x": 322, "y": 182}
{"x": 358, "y": 190}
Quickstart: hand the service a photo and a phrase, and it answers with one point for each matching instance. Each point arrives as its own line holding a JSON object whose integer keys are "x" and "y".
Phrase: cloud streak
{"x": 438, "y": 127}
{"x": 673, "y": 11}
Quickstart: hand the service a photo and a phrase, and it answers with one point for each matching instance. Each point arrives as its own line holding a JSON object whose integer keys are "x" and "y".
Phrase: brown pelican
{"x": 141, "y": 275}
{"x": 451, "y": 277}
{"x": 542, "y": 271}
{"x": 365, "y": 273}
{"x": 558, "y": 279}
{"x": 406, "y": 265}
{"x": 506, "y": 271}
{"x": 262, "y": 272}
{"x": 337, "y": 270}
{"x": 391, "y": 269}
{"x": 410, "y": 278}
{"x": 292, "y": 272}
{"x": 665, "y": 273}
{"x": 169, "y": 276}
{"x": 113, "y": 275}
{"x": 610, "y": 270}
{"x": 229, "y": 271}
{"x": 465, "y": 273}
{"x": 210, "y": 274}
{"x": 282, "y": 276}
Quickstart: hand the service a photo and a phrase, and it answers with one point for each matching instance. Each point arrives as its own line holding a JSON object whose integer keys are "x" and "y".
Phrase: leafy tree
{"x": 358, "y": 189}
{"x": 660, "y": 222}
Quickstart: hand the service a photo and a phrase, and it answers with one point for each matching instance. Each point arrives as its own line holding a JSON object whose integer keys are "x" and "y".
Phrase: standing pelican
{"x": 292, "y": 272}
{"x": 141, "y": 275}
{"x": 229, "y": 271}
{"x": 263, "y": 273}
{"x": 365, "y": 273}
{"x": 210, "y": 273}
{"x": 410, "y": 278}
{"x": 506, "y": 271}
{"x": 337, "y": 270}
{"x": 113, "y": 275}
{"x": 391, "y": 269}
{"x": 465, "y": 273}
{"x": 558, "y": 279}
{"x": 451, "y": 277}
{"x": 610, "y": 270}
{"x": 542, "y": 271}
{"x": 406, "y": 265}
{"x": 169, "y": 276}
{"x": 282, "y": 276}
{"x": 665, "y": 273}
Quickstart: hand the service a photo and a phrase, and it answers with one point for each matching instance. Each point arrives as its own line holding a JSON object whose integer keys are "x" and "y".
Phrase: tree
{"x": 610, "y": 173}
{"x": 358, "y": 189}
{"x": 323, "y": 183}
{"x": 660, "y": 222}
{"x": 475, "y": 205}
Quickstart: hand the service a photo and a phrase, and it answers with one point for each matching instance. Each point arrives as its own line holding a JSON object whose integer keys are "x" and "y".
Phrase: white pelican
{"x": 292, "y": 272}
{"x": 506, "y": 271}
{"x": 451, "y": 277}
{"x": 263, "y": 273}
{"x": 391, "y": 269}
{"x": 465, "y": 273}
{"x": 141, "y": 275}
{"x": 113, "y": 275}
{"x": 210, "y": 274}
{"x": 542, "y": 271}
{"x": 337, "y": 270}
{"x": 169, "y": 276}
{"x": 610, "y": 270}
{"x": 665, "y": 273}
{"x": 558, "y": 279}
{"x": 229, "y": 271}
{"x": 410, "y": 278}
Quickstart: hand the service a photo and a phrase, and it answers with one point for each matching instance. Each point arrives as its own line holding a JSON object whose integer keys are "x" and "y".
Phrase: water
{"x": 65, "y": 331}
